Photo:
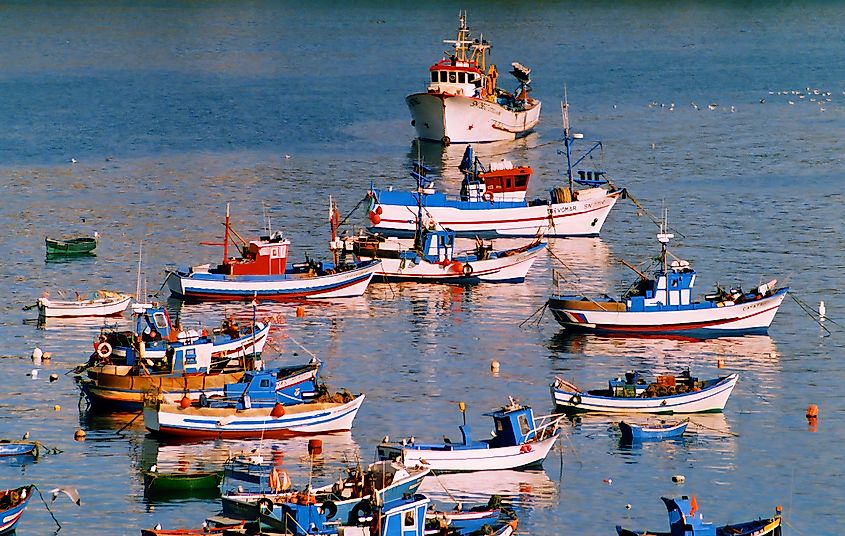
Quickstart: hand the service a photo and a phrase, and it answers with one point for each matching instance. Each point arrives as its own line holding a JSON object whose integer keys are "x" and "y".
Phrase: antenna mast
{"x": 567, "y": 139}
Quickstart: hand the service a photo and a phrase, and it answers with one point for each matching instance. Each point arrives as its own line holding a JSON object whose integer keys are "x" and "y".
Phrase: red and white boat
{"x": 463, "y": 104}
{"x": 262, "y": 272}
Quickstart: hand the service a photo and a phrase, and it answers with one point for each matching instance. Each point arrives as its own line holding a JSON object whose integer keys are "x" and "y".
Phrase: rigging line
{"x": 47, "y": 507}
{"x": 437, "y": 478}
{"x": 713, "y": 429}
{"x": 810, "y": 314}
{"x": 309, "y": 352}
{"x": 552, "y": 253}
{"x": 807, "y": 307}
{"x": 352, "y": 211}
{"x": 541, "y": 310}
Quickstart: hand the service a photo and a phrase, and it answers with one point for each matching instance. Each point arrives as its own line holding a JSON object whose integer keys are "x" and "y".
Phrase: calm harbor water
{"x": 173, "y": 110}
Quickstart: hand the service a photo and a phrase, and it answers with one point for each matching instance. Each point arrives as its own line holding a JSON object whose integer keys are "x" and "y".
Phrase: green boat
{"x": 71, "y": 246}
{"x": 204, "y": 484}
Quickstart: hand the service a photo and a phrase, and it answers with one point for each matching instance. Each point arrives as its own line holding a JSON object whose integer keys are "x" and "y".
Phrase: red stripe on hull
{"x": 236, "y": 434}
{"x": 289, "y": 296}
{"x": 673, "y": 327}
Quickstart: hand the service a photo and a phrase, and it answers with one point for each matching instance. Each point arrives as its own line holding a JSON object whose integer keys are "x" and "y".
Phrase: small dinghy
{"x": 80, "y": 245}
{"x": 100, "y": 303}
{"x": 683, "y": 520}
{"x": 12, "y": 504}
{"x": 178, "y": 484}
{"x": 205, "y": 529}
{"x": 652, "y": 432}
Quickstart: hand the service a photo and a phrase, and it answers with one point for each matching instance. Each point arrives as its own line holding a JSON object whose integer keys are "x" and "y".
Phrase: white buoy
{"x": 822, "y": 310}
{"x": 34, "y": 374}
{"x": 678, "y": 479}
{"x": 37, "y": 354}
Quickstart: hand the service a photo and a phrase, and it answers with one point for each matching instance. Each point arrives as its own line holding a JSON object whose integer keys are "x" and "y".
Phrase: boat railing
{"x": 545, "y": 425}
{"x": 560, "y": 383}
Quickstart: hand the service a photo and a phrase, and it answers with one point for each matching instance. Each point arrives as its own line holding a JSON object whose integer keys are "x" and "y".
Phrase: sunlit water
{"x": 173, "y": 111}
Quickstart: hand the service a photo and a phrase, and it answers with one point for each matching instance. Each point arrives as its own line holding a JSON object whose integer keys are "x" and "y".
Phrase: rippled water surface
{"x": 171, "y": 110}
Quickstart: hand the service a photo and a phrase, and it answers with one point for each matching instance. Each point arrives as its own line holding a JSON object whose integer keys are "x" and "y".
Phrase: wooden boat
{"x": 180, "y": 483}
{"x": 71, "y": 246}
{"x": 663, "y": 305}
{"x": 520, "y": 441}
{"x": 400, "y": 517}
{"x": 165, "y": 419}
{"x": 463, "y": 104}
{"x": 18, "y": 448}
{"x": 261, "y": 272}
{"x": 670, "y": 394}
{"x": 492, "y": 202}
{"x": 462, "y": 521}
{"x": 174, "y": 360}
{"x": 683, "y": 520}
{"x": 220, "y": 529}
{"x": 12, "y": 505}
{"x": 432, "y": 257}
{"x": 652, "y": 432}
{"x": 102, "y": 303}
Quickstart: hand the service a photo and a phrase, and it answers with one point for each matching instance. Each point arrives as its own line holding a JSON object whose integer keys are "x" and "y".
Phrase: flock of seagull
{"x": 817, "y": 96}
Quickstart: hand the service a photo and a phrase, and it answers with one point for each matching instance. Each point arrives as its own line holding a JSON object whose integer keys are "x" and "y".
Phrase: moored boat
{"x": 205, "y": 529}
{"x": 492, "y": 202}
{"x": 79, "y": 245}
{"x": 632, "y": 394}
{"x": 18, "y": 448}
{"x": 683, "y": 520}
{"x": 101, "y": 303}
{"x": 178, "y": 483}
{"x": 12, "y": 505}
{"x": 520, "y": 441}
{"x": 663, "y": 305}
{"x": 652, "y": 432}
{"x": 261, "y": 272}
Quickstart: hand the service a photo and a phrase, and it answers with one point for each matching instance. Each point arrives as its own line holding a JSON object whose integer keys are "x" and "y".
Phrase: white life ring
{"x": 104, "y": 350}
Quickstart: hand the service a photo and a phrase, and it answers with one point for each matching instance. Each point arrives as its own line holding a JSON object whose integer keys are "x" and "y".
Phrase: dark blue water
{"x": 173, "y": 110}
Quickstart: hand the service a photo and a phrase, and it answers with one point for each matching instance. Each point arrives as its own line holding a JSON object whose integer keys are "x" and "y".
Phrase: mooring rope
{"x": 812, "y": 314}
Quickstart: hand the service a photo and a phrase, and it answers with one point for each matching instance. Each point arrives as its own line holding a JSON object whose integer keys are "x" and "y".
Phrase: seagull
{"x": 712, "y": 106}
{"x": 70, "y": 492}
{"x": 287, "y": 157}
{"x": 154, "y": 468}
{"x": 73, "y": 160}
{"x": 157, "y": 527}
{"x": 25, "y": 436}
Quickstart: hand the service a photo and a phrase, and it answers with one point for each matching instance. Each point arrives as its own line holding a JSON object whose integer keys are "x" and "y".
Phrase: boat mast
{"x": 567, "y": 140}
{"x": 663, "y": 237}
{"x": 226, "y": 237}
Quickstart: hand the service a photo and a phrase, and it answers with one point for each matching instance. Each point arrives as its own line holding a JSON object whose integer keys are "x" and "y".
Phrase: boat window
{"x": 507, "y": 183}
{"x": 461, "y": 78}
{"x": 409, "y": 522}
{"x": 452, "y": 77}
{"x": 674, "y": 283}
{"x": 434, "y": 76}
{"x": 265, "y": 383}
{"x": 443, "y": 76}
{"x": 521, "y": 180}
{"x": 160, "y": 320}
{"x": 499, "y": 426}
{"x": 524, "y": 427}
{"x": 470, "y": 77}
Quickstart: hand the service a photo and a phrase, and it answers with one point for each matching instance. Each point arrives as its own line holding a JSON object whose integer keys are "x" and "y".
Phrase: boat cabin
{"x": 456, "y": 77}
{"x": 266, "y": 256}
{"x": 501, "y": 181}
{"x": 683, "y": 520}
{"x": 513, "y": 425}
{"x": 439, "y": 246}
{"x": 263, "y": 389}
{"x": 672, "y": 287}
{"x": 399, "y": 517}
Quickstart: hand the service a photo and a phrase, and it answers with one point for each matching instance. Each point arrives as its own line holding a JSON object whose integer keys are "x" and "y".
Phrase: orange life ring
{"x": 487, "y": 196}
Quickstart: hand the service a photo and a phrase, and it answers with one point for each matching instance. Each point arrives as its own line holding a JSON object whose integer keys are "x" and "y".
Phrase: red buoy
{"x": 375, "y": 219}
{"x": 185, "y": 402}
{"x": 315, "y": 446}
{"x": 457, "y": 267}
{"x": 277, "y": 411}
{"x": 379, "y": 210}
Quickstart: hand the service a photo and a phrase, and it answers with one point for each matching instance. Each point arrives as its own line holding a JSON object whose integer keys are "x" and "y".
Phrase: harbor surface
{"x": 142, "y": 121}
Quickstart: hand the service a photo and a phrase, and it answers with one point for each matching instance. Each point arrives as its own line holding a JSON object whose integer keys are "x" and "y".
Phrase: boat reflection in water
{"x": 518, "y": 489}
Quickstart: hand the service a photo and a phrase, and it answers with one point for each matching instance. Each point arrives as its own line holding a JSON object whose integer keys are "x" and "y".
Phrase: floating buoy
{"x": 277, "y": 411}
{"x": 54, "y": 377}
{"x": 720, "y": 363}
{"x": 375, "y": 219}
{"x": 822, "y": 310}
{"x": 34, "y": 374}
{"x": 812, "y": 411}
{"x": 678, "y": 479}
{"x": 300, "y": 311}
{"x": 494, "y": 366}
{"x": 608, "y": 481}
{"x": 185, "y": 402}
{"x": 379, "y": 210}
{"x": 79, "y": 435}
{"x": 37, "y": 354}
{"x": 47, "y": 356}
{"x": 57, "y": 408}
{"x": 628, "y": 506}
{"x": 315, "y": 446}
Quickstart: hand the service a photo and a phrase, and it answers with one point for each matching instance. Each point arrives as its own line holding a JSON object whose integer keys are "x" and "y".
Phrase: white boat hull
{"x": 743, "y": 318}
{"x": 309, "y": 418}
{"x": 577, "y": 218}
{"x": 460, "y": 119}
{"x": 711, "y": 399}
{"x": 205, "y": 286}
{"x": 464, "y": 460}
{"x": 99, "y": 307}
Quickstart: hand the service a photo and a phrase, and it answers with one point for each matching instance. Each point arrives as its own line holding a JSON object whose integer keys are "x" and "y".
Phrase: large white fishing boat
{"x": 463, "y": 103}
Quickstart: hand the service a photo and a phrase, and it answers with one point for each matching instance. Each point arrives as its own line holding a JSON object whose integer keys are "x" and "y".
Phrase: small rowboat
{"x": 175, "y": 483}
{"x": 102, "y": 303}
{"x": 17, "y": 448}
{"x": 653, "y": 432}
{"x": 12, "y": 504}
{"x": 71, "y": 246}
{"x": 220, "y": 529}
{"x": 683, "y": 520}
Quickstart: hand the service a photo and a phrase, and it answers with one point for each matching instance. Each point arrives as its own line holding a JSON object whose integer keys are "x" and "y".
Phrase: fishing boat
{"x": 178, "y": 483}
{"x": 12, "y": 504}
{"x": 632, "y": 394}
{"x": 463, "y": 103}
{"x": 663, "y": 304}
{"x": 205, "y": 529}
{"x": 652, "y": 432}
{"x": 101, "y": 303}
{"x": 433, "y": 257}
{"x": 173, "y": 360}
{"x": 400, "y": 517}
{"x": 463, "y": 521}
{"x": 18, "y": 448}
{"x": 79, "y": 245}
{"x": 261, "y": 272}
{"x": 683, "y": 520}
{"x": 333, "y": 413}
{"x": 492, "y": 201}
{"x": 520, "y": 441}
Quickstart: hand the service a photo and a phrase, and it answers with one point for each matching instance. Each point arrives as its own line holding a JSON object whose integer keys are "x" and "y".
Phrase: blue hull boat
{"x": 634, "y": 432}
{"x": 17, "y": 448}
{"x": 12, "y": 504}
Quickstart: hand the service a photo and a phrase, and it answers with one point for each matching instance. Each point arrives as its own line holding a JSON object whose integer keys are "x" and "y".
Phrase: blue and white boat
{"x": 652, "y": 432}
{"x": 492, "y": 202}
{"x": 18, "y": 448}
{"x": 520, "y": 441}
{"x": 12, "y": 505}
{"x": 663, "y": 305}
{"x": 683, "y": 521}
{"x": 632, "y": 394}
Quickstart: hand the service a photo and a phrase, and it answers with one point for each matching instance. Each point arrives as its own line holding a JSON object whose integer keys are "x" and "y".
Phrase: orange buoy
{"x": 300, "y": 311}
{"x": 379, "y": 210}
{"x": 79, "y": 435}
{"x": 185, "y": 402}
{"x": 278, "y": 410}
{"x": 457, "y": 267}
{"x": 375, "y": 219}
{"x": 812, "y": 411}
{"x": 720, "y": 363}
{"x": 315, "y": 446}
